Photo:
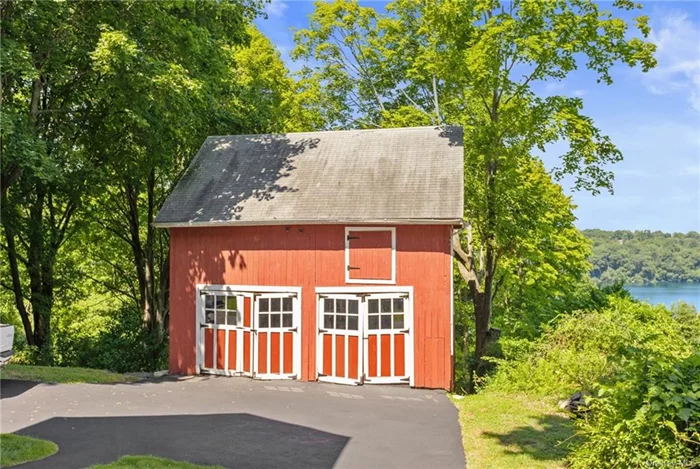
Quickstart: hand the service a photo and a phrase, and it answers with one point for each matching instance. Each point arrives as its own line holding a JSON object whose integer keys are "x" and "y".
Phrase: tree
{"x": 475, "y": 63}
{"x": 96, "y": 99}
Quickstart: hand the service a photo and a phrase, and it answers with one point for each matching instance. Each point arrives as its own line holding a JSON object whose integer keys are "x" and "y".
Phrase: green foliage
{"x": 649, "y": 417}
{"x": 18, "y": 449}
{"x": 644, "y": 257}
{"x": 585, "y": 349}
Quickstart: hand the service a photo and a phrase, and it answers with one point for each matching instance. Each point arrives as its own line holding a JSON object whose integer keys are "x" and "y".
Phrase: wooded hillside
{"x": 644, "y": 257}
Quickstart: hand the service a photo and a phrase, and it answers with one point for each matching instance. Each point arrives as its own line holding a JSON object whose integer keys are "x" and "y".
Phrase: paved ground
{"x": 237, "y": 423}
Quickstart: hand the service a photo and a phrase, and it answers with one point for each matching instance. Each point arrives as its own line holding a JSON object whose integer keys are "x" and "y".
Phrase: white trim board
{"x": 392, "y": 230}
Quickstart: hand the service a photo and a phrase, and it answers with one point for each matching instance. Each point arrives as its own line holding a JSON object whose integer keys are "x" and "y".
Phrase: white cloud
{"x": 276, "y": 8}
{"x": 580, "y": 93}
{"x": 677, "y": 39}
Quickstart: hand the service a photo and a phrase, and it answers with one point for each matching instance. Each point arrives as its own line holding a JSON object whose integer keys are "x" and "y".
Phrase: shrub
{"x": 585, "y": 348}
{"x": 649, "y": 417}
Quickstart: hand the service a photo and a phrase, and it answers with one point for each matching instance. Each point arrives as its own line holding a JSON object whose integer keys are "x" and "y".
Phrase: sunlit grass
{"x": 150, "y": 462}
{"x": 508, "y": 431}
{"x": 17, "y": 449}
{"x": 55, "y": 374}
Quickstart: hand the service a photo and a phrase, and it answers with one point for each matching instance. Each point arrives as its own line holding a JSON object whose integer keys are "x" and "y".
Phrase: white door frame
{"x": 320, "y": 352}
{"x": 375, "y": 292}
{"x": 252, "y": 292}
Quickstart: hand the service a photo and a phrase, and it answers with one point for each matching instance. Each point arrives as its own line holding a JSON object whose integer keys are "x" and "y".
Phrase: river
{"x": 667, "y": 293}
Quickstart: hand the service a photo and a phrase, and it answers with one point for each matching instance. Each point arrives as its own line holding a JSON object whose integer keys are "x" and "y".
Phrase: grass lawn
{"x": 506, "y": 431}
{"x": 55, "y": 374}
{"x": 16, "y": 449}
{"x": 150, "y": 462}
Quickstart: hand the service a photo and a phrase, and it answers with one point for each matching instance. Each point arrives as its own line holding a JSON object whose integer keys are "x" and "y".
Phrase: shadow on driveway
{"x": 13, "y": 388}
{"x": 230, "y": 440}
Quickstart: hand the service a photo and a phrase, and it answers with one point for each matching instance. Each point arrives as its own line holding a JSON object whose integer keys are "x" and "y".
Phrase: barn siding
{"x": 311, "y": 256}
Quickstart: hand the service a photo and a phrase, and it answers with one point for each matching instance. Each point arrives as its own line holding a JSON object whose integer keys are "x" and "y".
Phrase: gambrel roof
{"x": 407, "y": 175}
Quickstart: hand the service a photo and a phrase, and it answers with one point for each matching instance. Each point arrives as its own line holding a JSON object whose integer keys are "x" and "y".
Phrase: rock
{"x": 576, "y": 404}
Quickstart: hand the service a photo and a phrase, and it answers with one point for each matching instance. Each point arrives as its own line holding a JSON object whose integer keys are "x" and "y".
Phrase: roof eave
{"x": 338, "y": 221}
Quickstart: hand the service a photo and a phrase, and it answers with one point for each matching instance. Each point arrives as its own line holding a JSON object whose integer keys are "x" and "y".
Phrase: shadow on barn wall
{"x": 230, "y": 440}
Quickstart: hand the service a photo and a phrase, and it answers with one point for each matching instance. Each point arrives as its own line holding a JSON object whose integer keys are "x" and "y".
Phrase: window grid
{"x": 341, "y": 314}
{"x": 221, "y": 310}
{"x": 385, "y": 313}
{"x": 275, "y": 313}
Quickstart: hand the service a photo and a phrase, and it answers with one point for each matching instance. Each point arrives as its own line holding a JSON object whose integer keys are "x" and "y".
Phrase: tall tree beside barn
{"x": 476, "y": 63}
{"x": 97, "y": 98}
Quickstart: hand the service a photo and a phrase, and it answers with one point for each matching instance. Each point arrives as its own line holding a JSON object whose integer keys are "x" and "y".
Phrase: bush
{"x": 587, "y": 348}
{"x": 118, "y": 344}
{"x": 650, "y": 416}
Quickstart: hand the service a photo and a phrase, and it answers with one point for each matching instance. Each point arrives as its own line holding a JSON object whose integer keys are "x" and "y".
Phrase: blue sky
{"x": 654, "y": 118}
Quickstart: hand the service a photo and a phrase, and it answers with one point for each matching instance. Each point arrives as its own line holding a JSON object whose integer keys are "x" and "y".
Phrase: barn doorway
{"x": 365, "y": 337}
{"x": 249, "y": 333}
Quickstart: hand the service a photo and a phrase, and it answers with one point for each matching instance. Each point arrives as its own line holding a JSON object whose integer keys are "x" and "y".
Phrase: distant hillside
{"x": 645, "y": 257}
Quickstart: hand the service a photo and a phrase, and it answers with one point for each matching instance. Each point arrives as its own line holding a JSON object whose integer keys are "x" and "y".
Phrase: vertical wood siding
{"x": 311, "y": 256}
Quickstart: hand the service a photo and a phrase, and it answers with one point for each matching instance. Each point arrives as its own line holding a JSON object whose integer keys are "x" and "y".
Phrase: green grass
{"x": 55, "y": 374}
{"x": 507, "y": 431}
{"x": 150, "y": 462}
{"x": 16, "y": 449}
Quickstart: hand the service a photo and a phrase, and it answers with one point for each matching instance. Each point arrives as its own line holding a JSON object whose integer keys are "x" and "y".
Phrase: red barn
{"x": 317, "y": 256}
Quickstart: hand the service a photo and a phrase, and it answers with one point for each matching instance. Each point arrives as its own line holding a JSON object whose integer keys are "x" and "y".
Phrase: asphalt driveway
{"x": 237, "y": 423}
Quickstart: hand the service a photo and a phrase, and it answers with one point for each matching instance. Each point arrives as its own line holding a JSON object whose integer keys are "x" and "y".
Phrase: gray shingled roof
{"x": 387, "y": 175}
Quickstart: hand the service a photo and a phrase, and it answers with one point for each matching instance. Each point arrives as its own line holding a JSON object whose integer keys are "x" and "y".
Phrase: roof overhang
{"x": 349, "y": 221}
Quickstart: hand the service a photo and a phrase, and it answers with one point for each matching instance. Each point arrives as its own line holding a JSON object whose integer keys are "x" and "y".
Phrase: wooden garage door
{"x": 370, "y": 255}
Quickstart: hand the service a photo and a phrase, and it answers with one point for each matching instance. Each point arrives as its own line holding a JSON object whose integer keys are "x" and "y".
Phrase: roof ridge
{"x": 387, "y": 129}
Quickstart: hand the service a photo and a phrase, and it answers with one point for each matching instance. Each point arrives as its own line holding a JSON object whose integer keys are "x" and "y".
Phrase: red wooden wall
{"x": 311, "y": 256}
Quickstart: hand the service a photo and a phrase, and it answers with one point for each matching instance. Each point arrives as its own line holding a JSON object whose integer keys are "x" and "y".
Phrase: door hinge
{"x": 405, "y": 296}
{"x": 203, "y": 324}
{"x": 352, "y": 237}
{"x": 321, "y": 374}
{"x": 322, "y": 331}
{"x": 405, "y": 331}
{"x": 366, "y": 380}
{"x": 292, "y": 329}
{"x": 294, "y": 376}
{"x": 362, "y": 296}
{"x": 353, "y": 268}
{"x": 322, "y": 296}
{"x": 406, "y": 379}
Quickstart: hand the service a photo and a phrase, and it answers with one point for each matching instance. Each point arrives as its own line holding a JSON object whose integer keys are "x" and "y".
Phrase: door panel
{"x": 277, "y": 320}
{"x": 339, "y": 351}
{"x": 388, "y": 344}
{"x": 369, "y": 256}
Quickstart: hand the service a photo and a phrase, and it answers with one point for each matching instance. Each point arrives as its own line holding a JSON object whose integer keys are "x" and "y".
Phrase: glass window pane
{"x": 352, "y": 323}
{"x": 398, "y": 321}
{"x": 231, "y": 302}
{"x": 373, "y": 322}
{"x": 386, "y": 321}
{"x": 275, "y": 304}
{"x": 275, "y": 320}
{"x": 208, "y": 301}
{"x": 340, "y": 322}
{"x": 209, "y": 316}
{"x": 386, "y": 305}
{"x": 231, "y": 318}
{"x": 286, "y": 304}
{"x": 264, "y": 320}
{"x": 352, "y": 306}
{"x": 287, "y": 320}
{"x": 340, "y": 306}
{"x": 398, "y": 305}
{"x": 328, "y": 305}
{"x": 220, "y": 317}
{"x": 373, "y": 306}
{"x": 220, "y": 302}
{"x": 264, "y": 304}
{"x": 328, "y": 321}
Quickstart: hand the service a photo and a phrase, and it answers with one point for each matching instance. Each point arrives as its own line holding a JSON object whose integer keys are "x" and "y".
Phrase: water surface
{"x": 667, "y": 293}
